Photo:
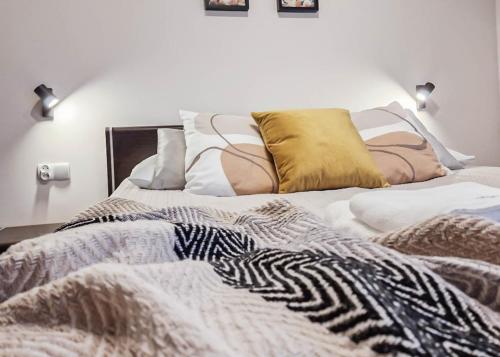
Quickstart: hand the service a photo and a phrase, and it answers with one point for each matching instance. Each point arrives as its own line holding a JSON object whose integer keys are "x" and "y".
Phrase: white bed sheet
{"x": 315, "y": 201}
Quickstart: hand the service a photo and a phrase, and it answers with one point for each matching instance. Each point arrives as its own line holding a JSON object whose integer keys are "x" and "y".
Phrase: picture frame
{"x": 282, "y": 6}
{"x": 220, "y": 5}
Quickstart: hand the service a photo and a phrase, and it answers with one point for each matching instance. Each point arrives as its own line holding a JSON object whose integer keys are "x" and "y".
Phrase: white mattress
{"x": 315, "y": 201}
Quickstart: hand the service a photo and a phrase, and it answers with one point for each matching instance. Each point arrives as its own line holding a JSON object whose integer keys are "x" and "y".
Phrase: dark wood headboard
{"x": 128, "y": 146}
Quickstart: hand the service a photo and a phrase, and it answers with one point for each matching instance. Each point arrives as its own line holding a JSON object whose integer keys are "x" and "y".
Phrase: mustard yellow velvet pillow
{"x": 317, "y": 149}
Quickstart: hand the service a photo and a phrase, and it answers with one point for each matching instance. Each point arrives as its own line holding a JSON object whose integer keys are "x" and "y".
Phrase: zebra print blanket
{"x": 125, "y": 279}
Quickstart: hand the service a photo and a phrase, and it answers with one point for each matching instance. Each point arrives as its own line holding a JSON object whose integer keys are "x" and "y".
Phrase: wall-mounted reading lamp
{"x": 48, "y": 100}
{"x": 423, "y": 93}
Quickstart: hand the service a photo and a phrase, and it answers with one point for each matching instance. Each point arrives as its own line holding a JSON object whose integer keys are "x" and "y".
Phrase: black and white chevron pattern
{"x": 216, "y": 243}
{"x": 390, "y": 306}
{"x": 121, "y": 210}
{"x": 352, "y": 288}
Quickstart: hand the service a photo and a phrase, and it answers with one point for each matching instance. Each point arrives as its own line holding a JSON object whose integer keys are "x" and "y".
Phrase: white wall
{"x": 129, "y": 62}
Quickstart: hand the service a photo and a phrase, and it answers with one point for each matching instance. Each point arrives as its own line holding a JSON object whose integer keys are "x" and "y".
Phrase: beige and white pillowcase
{"x": 225, "y": 156}
{"x": 401, "y": 146}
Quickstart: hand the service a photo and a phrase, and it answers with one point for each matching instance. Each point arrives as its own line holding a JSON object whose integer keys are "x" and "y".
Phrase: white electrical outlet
{"x": 53, "y": 171}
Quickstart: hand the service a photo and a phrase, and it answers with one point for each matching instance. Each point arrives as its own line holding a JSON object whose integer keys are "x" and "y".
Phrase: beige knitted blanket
{"x": 450, "y": 235}
{"x": 124, "y": 279}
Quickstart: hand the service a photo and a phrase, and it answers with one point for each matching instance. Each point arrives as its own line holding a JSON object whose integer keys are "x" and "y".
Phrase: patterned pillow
{"x": 225, "y": 156}
{"x": 402, "y": 148}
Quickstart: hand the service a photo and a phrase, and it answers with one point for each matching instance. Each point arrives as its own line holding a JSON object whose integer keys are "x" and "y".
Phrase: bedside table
{"x": 13, "y": 235}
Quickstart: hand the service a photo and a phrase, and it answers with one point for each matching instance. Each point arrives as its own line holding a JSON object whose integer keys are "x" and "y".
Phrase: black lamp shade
{"x": 48, "y": 99}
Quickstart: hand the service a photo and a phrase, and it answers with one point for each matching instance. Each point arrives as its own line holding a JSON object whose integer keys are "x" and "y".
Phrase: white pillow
{"x": 143, "y": 173}
{"x": 463, "y": 158}
{"x": 165, "y": 170}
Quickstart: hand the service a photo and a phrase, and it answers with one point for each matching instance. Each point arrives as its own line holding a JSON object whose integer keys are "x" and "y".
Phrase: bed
{"x": 170, "y": 273}
{"x": 127, "y": 146}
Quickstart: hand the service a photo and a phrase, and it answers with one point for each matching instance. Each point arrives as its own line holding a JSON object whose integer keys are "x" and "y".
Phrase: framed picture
{"x": 227, "y": 5}
{"x": 298, "y": 5}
